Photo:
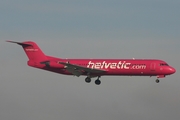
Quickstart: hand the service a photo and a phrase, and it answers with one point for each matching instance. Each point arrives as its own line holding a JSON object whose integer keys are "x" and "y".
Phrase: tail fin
{"x": 32, "y": 50}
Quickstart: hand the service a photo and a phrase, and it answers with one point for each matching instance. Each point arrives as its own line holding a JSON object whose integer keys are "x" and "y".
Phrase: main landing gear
{"x": 88, "y": 79}
{"x": 97, "y": 82}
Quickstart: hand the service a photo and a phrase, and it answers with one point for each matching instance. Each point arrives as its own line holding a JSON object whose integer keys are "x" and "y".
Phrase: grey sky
{"x": 89, "y": 29}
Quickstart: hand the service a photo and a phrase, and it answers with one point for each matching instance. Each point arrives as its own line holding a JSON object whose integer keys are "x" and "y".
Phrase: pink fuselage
{"x": 124, "y": 67}
{"x": 94, "y": 67}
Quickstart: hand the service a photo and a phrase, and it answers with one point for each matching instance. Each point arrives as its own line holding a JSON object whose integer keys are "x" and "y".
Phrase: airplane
{"x": 95, "y": 67}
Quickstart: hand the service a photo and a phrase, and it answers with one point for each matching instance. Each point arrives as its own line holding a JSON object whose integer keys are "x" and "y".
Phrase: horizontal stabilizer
{"x": 32, "y": 50}
{"x": 19, "y": 43}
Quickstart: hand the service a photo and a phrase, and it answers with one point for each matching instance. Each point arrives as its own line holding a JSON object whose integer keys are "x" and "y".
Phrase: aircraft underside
{"x": 88, "y": 79}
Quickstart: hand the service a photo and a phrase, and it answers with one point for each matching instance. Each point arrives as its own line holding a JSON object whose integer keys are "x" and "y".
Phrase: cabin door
{"x": 153, "y": 67}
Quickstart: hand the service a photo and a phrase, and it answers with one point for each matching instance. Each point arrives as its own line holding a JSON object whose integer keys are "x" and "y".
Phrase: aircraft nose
{"x": 172, "y": 70}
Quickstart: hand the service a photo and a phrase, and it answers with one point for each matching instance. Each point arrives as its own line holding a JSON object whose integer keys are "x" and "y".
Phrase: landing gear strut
{"x": 97, "y": 82}
{"x": 157, "y": 81}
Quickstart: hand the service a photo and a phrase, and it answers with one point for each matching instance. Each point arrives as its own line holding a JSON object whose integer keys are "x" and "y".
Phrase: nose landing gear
{"x": 157, "y": 81}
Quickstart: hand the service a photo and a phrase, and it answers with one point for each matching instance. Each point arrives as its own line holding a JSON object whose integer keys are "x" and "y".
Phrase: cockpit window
{"x": 164, "y": 64}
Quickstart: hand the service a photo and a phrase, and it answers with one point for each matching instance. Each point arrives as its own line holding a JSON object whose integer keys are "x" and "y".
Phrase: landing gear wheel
{"x": 157, "y": 81}
{"x": 88, "y": 79}
{"x": 97, "y": 82}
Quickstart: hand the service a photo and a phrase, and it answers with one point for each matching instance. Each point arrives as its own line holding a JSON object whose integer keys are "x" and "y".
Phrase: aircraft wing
{"x": 78, "y": 70}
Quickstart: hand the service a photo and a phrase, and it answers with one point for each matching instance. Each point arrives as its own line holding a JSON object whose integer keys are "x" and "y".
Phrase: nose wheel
{"x": 157, "y": 81}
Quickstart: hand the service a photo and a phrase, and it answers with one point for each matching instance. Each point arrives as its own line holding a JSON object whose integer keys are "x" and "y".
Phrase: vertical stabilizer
{"x": 32, "y": 50}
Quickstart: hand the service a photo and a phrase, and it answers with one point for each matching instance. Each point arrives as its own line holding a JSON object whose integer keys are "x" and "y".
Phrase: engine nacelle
{"x": 51, "y": 64}
{"x": 56, "y": 65}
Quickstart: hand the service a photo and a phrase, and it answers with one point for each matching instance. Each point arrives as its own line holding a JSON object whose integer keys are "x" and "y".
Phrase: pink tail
{"x": 32, "y": 50}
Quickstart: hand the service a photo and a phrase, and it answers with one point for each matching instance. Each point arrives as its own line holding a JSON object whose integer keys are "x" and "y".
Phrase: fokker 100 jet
{"x": 95, "y": 67}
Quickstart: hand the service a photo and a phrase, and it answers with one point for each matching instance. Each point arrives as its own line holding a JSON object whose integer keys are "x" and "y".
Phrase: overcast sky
{"x": 89, "y": 29}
